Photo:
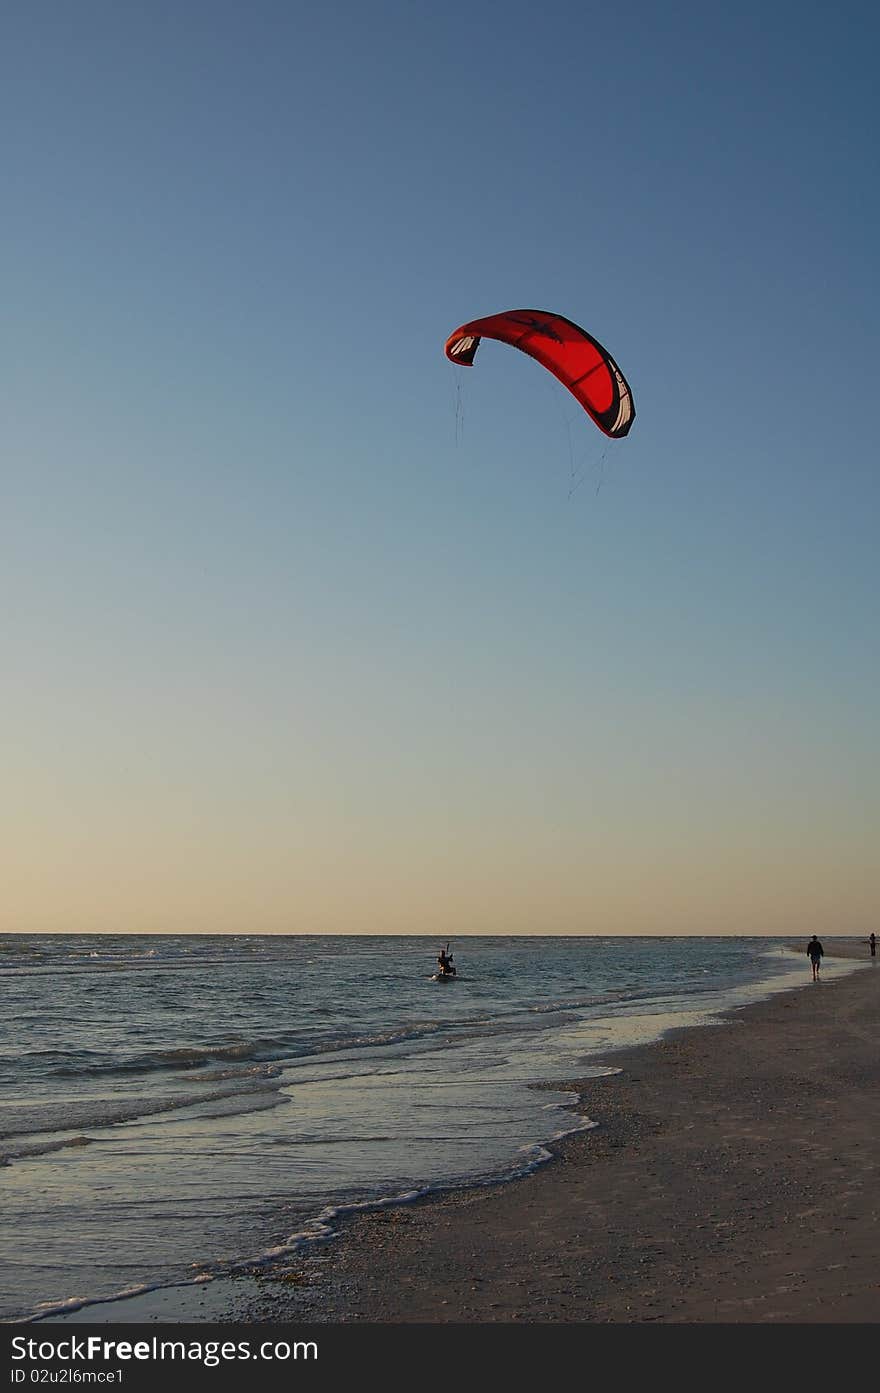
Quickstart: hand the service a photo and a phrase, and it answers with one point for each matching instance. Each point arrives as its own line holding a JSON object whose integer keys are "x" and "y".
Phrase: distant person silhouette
{"x": 873, "y": 942}
{"x": 815, "y": 953}
{"x": 444, "y": 960}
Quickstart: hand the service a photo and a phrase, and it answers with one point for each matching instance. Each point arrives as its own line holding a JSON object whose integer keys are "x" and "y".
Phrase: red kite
{"x": 569, "y": 352}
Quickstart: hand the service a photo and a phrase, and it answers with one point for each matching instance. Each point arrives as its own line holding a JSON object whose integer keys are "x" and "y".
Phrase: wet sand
{"x": 732, "y": 1177}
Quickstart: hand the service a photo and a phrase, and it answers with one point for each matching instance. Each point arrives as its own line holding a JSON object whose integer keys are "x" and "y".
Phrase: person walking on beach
{"x": 815, "y": 953}
{"x": 873, "y": 942}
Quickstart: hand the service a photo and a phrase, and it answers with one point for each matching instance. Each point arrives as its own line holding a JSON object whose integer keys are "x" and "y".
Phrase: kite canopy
{"x": 569, "y": 352}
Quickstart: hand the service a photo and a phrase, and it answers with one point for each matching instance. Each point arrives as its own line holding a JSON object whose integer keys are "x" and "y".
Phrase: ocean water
{"x": 175, "y": 1107}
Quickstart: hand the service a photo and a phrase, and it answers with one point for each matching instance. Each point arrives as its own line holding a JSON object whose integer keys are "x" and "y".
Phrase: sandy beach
{"x": 731, "y": 1177}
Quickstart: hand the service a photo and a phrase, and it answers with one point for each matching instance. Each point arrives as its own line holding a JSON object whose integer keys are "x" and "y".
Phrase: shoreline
{"x": 728, "y": 1180}
{"x": 717, "y": 1185}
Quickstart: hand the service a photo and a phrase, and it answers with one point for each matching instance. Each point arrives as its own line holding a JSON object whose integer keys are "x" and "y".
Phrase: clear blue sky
{"x": 286, "y": 649}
